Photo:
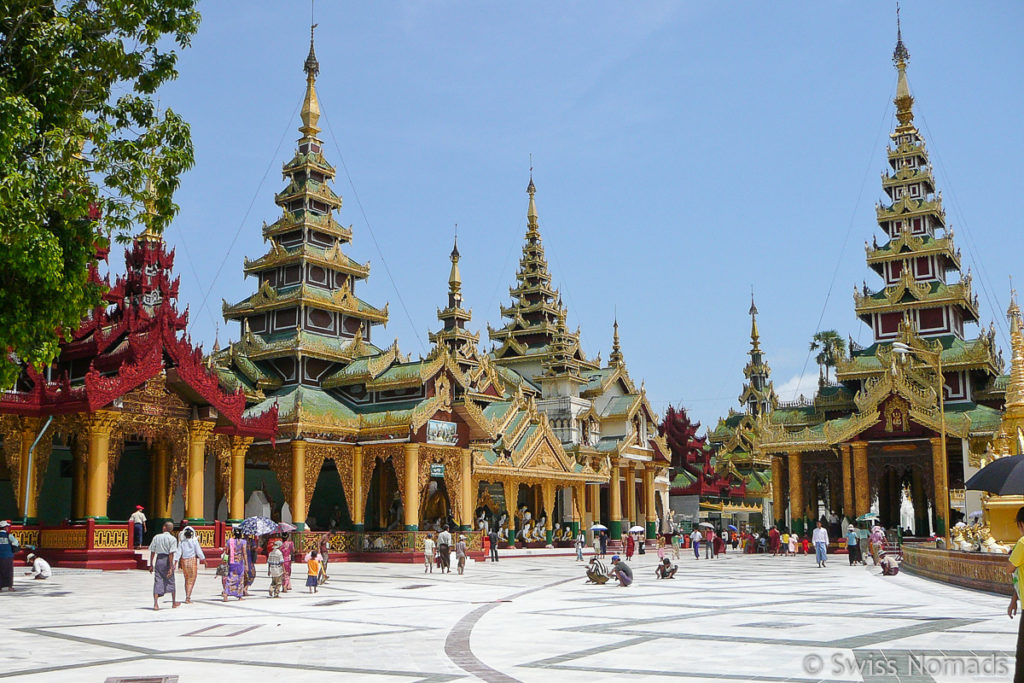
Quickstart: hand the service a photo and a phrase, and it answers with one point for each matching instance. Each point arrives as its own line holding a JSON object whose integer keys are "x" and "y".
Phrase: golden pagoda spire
{"x": 310, "y": 105}
{"x": 455, "y": 277}
{"x": 900, "y": 56}
{"x": 755, "y": 335}
{"x": 149, "y": 234}
{"x": 615, "y": 357}
{"x": 1015, "y": 387}
{"x": 531, "y": 210}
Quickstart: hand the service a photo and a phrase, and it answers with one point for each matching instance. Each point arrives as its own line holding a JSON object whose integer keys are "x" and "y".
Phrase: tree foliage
{"x": 80, "y": 135}
{"x": 830, "y": 347}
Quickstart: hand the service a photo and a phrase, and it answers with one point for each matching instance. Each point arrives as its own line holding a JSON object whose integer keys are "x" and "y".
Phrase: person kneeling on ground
{"x": 40, "y": 567}
{"x": 890, "y": 565}
{"x": 665, "y": 570}
{"x": 596, "y": 572}
{"x": 621, "y": 571}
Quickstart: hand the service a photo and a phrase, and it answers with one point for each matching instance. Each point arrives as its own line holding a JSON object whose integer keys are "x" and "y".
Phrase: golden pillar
{"x": 412, "y": 488}
{"x": 468, "y": 504}
{"x": 26, "y": 493}
{"x": 548, "y": 489}
{"x": 355, "y": 506}
{"x": 796, "y": 494}
{"x": 98, "y": 426}
{"x": 511, "y": 488}
{"x": 198, "y": 432}
{"x": 236, "y": 497}
{"x": 861, "y": 485}
{"x": 649, "y": 505}
{"x": 844, "y": 454}
{"x": 78, "y": 454}
{"x": 939, "y": 474}
{"x": 614, "y": 504}
{"x": 161, "y": 481}
{"x": 298, "y": 492}
{"x": 630, "y": 515}
{"x": 778, "y": 500}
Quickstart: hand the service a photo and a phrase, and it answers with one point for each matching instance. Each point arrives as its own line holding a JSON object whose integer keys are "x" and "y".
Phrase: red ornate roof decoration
{"x": 120, "y": 346}
{"x": 690, "y": 453}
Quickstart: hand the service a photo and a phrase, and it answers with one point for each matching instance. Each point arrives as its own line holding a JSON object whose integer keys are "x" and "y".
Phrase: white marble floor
{"x": 528, "y": 619}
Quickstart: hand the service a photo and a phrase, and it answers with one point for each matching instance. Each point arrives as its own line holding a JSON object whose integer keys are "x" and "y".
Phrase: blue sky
{"x": 683, "y": 152}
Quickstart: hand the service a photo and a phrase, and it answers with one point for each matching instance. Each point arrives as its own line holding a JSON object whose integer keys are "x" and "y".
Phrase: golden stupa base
{"x": 1001, "y": 517}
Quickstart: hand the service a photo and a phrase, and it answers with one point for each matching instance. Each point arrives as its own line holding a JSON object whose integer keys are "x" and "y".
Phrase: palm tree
{"x": 830, "y": 347}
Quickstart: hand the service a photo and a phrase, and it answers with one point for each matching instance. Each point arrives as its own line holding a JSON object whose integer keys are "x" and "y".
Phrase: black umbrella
{"x": 1002, "y": 476}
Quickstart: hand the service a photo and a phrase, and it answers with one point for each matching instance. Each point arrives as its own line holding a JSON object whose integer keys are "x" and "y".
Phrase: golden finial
{"x": 615, "y": 357}
{"x": 900, "y": 56}
{"x": 531, "y": 210}
{"x": 455, "y": 278}
{"x": 310, "y": 105}
{"x": 755, "y": 334}
{"x": 149, "y": 234}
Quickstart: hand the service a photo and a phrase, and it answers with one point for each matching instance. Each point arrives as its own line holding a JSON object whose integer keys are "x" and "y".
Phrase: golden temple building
{"x": 883, "y": 435}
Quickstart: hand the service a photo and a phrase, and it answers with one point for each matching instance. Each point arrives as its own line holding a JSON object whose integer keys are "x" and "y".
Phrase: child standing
{"x": 460, "y": 553}
{"x": 428, "y": 554}
{"x": 312, "y": 572}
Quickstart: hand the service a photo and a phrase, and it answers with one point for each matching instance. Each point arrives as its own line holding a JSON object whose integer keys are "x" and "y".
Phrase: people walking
{"x": 138, "y": 520}
{"x": 40, "y": 567}
{"x": 460, "y": 554}
{"x": 604, "y": 543}
{"x": 876, "y": 542}
{"x": 163, "y": 553}
{"x": 853, "y": 546}
{"x": 237, "y": 556}
{"x": 630, "y": 545}
{"x": 773, "y": 540}
{"x": 429, "y": 553}
{"x": 492, "y": 536}
{"x": 325, "y": 557}
{"x": 275, "y": 569}
{"x": 191, "y": 554}
{"x": 676, "y": 542}
{"x": 793, "y": 538}
{"x": 444, "y": 549}
{"x": 287, "y": 553}
{"x": 695, "y": 539}
{"x": 581, "y": 540}
{"x": 249, "y": 575}
{"x": 820, "y": 538}
{"x": 8, "y": 546}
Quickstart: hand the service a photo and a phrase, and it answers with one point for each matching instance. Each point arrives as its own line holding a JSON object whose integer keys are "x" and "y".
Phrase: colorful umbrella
{"x": 732, "y": 528}
{"x": 284, "y": 527}
{"x": 867, "y": 516}
{"x": 258, "y": 526}
{"x": 599, "y": 527}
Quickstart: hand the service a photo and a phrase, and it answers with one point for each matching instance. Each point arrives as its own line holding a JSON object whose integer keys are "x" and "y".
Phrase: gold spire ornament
{"x": 615, "y": 357}
{"x": 149, "y": 234}
{"x": 310, "y": 105}
{"x": 900, "y": 57}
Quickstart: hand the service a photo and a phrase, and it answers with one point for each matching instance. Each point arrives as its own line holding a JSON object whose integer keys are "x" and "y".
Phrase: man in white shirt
{"x": 444, "y": 545}
{"x": 820, "y": 539}
{"x": 138, "y": 520}
{"x": 40, "y": 567}
{"x": 695, "y": 539}
{"x": 163, "y": 556}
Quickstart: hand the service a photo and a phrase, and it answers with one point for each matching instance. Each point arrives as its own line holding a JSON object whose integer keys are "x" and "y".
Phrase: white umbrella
{"x": 636, "y": 529}
{"x": 705, "y": 524}
{"x": 599, "y": 527}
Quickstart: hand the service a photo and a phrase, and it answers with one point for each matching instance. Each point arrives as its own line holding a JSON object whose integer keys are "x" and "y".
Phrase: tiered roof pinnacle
{"x": 755, "y": 335}
{"x": 460, "y": 341}
{"x": 149, "y": 234}
{"x": 758, "y": 394}
{"x": 615, "y": 357}
{"x": 310, "y": 105}
{"x": 900, "y": 57}
{"x": 1015, "y": 387}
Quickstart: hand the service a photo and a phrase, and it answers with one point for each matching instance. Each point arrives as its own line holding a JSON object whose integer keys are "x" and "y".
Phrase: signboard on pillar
{"x": 437, "y": 469}
{"x": 442, "y": 433}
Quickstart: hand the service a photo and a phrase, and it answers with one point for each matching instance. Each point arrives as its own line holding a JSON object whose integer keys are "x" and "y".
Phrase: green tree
{"x": 830, "y": 347}
{"x": 80, "y": 136}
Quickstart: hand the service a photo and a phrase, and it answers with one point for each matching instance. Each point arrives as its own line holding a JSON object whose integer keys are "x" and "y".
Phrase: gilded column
{"x": 161, "y": 485}
{"x": 412, "y": 488}
{"x": 579, "y": 508}
{"x": 78, "y": 488}
{"x": 844, "y": 453}
{"x": 939, "y": 475}
{"x": 26, "y": 493}
{"x": 98, "y": 426}
{"x": 468, "y": 504}
{"x": 198, "y": 432}
{"x": 861, "y": 485}
{"x": 236, "y": 498}
{"x": 355, "y": 508}
{"x": 298, "y": 492}
{"x": 778, "y": 500}
{"x": 796, "y": 493}
{"x": 549, "y": 506}
{"x": 649, "y": 506}
{"x": 614, "y": 505}
{"x": 630, "y": 517}
{"x": 511, "y": 488}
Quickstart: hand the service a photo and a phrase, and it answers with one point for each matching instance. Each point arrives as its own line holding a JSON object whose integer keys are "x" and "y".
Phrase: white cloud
{"x": 791, "y": 389}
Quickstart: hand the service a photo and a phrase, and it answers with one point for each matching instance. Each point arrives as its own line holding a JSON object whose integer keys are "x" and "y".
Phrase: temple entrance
{"x": 530, "y": 515}
{"x": 383, "y": 501}
{"x": 54, "y": 504}
{"x": 131, "y": 483}
{"x": 490, "y": 505}
{"x": 328, "y": 508}
{"x": 902, "y": 484}
{"x": 823, "y": 490}
{"x": 435, "y": 505}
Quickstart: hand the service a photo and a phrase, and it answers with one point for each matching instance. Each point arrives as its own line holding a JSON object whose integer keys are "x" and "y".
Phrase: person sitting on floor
{"x": 666, "y": 570}
{"x": 621, "y": 571}
{"x": 890, "y": 565}
{"x": 596, "y": 571}
{"x": 40, "y": 567}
